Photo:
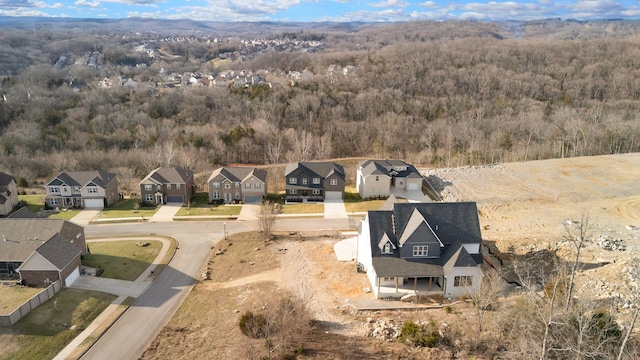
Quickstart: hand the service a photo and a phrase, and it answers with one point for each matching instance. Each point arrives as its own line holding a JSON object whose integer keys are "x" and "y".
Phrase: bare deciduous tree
{"x": 266, "y": 220}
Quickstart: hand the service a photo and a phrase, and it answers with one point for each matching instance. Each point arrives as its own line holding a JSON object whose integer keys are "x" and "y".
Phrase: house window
{"x": 237, "y": 195}
{"x": 420, "y": 250}
{"x": 388, "y": 278}
{"x": 293, "y": 180}
{"x": 65, "y": 189}
{"x": 386, "y": 249}
{"x": 148, "y": 188}
{"x": 76, "y": 189}
{"x": 316, "y": 181}
{"x": 216, "y": 185}
{"x": 293, "y": 191}
{"x": 168, "y": 186}
{"x": 148, "y": 198}
{"x": 178, "y": 186}
{"x": 159, "y": 187}
{"x": 316, "y": 191}
{"x": 334, "y": 182}
{"x": 53, "y": 201}
{"x": 463, "y": 281}
{"x": 258, "y": 186}
{"x": 304, "y": 181}
{"x": 92, "y": 190}
{"x": 227, "y": 186}
{"x": 216, "y": 195}
{"x": 54, "y": 189}
{"x": 237, "y": 185}
{"x": 247, "y": 186}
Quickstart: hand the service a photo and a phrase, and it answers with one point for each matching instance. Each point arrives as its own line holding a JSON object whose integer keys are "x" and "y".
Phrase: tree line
{"x": 470, "y": 99}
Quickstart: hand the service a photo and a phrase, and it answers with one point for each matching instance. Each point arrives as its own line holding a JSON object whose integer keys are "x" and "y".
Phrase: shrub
{"x": 419, "y": 335}
{"x": 253, "y": 325}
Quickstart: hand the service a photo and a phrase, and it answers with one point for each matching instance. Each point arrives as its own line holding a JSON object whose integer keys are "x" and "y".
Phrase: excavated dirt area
{"x": 527, "y": 207}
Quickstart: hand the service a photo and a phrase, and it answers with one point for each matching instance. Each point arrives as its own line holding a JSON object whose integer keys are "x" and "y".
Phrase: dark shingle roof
{"x": 454, "y": 224}
{"x": 5, "y": 179}
{"x": 168, "y": 175}
{"x": 81, "y": 178}
{"x": 323, "y": 169}
{"x": 59, "y": 251}
{"x": 23, "y": 236}
{"x": 239, "y": 173}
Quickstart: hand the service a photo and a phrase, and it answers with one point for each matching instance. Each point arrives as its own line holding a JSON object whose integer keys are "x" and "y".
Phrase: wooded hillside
{"x": 441, "y": 94}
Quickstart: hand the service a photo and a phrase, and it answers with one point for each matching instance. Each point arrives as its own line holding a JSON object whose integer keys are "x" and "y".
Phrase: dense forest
{"x": 437, "y": 94}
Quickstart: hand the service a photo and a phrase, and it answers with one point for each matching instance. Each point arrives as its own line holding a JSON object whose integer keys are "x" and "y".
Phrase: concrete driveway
{"x": 166, "y": 212}
{"x": 334, "y": 209}
{"x": 84, "y": 217}
{"x": 249, "y": 212}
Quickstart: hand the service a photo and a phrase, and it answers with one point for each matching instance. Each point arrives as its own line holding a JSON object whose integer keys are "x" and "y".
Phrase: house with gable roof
{"x": 237, "y": 184}
{"x": 314, "y": 181}
{"x": 167, "y": 184}
{"x": 82, "y": 189}
{"x": 422, "y": 248}
{"x": 41, "y": 251}
{"x": 8, "y": 194}
{"x": 380, "y": 178}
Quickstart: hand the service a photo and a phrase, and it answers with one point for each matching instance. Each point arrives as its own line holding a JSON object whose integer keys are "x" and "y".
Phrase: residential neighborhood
{"x": 8, "y": 194}
{"x": 167, "y": 185}
{"x": 82, "y": 189}
{"x": 238, "y": 184}
{"x": 314, "y": 181}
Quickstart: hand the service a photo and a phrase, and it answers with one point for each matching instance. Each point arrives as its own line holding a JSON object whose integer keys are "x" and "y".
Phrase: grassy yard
{"x": 200, "y": 206}
{"x": 50, "y": 327}
{"x": 13, "y": 296}
{"x": 363, "y": 206}
{"x": 127, "y": 208}
{"x": 122, "y": 260}
{"x": 36, "y": 202}
{"x": 303, "y": 209}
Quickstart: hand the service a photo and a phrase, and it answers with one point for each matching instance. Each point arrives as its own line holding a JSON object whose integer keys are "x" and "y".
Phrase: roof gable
{"x": 416, "y": 222}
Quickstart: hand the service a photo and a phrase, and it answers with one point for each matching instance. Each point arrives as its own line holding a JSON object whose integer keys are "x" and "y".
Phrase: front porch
{"x": 398, "y": 287}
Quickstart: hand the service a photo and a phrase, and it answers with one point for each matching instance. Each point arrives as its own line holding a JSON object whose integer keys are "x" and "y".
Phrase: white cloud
{"x": 92, "y": 4}
{"x": 429, "y": 4}
{"x": 390, "y": 4}
{"x": 508, "y": 10}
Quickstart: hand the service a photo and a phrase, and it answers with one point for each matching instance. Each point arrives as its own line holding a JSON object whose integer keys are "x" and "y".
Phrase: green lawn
{"x": 302, "y": 208}
{"x": 34, "y": 202}
{"x": 51, "y": 326}
{"x": 201, "y": 206}
{"x": 13, "y": 296}
{"x": 65, "y": 214}
{"x": 128, "y": 208}
{"x": 122, "y": 259}
{"x": 363, "y": 206}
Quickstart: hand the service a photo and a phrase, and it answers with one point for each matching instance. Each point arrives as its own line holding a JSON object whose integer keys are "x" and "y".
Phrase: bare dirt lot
{"x": 523, "y": 207}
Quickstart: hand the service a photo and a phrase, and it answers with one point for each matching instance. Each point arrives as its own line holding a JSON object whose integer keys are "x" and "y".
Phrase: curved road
{"x": 130, "y": 334}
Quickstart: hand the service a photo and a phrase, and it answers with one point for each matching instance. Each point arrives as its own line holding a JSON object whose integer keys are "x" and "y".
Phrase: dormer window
{"x": 421, "y": 250}
{"x": 387, "y": 248}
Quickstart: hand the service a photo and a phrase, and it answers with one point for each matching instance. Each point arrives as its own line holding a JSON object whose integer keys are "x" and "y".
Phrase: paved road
{"x": 129, "y": 336}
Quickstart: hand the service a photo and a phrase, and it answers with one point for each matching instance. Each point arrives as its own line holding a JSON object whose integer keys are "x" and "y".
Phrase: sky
{"x": 325, "y": 10}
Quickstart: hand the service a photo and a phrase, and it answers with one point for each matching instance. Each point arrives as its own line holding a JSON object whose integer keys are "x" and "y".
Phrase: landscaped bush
{"x": 420, "y": 335}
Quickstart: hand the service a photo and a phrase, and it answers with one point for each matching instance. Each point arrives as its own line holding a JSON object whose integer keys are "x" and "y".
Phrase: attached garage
{"x": 333, "y": 195}
{"x": 175, "y": 199}
{"x": 413, "y": 186}
{"x": 94, "y": 203}
{"x": 75, "y": 274}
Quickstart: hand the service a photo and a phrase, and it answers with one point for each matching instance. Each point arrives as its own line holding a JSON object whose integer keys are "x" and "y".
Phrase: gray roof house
{"x": 87, "y": 189}
{"x": 314, "y": 181}
{"x": 237, "y": 184}
{"x": 8, "y": 194}
{"x": 167, "y": 184}
{"x": 41, "y": 251}
{"x": 381, "y": 178}
{"x": 422, "y": 248}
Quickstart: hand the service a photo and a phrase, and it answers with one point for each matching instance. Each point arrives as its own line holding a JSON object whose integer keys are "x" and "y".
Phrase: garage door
{"x": 333, "y": 195}
{"x": 94, "y": 203}
{"x": 413, "y": 186}
{"x": 175, "y": 199}
{"x": 75, "y": 274}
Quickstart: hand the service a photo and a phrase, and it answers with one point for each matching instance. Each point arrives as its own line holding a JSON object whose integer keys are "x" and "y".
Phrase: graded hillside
{"x": 528, "y": 206}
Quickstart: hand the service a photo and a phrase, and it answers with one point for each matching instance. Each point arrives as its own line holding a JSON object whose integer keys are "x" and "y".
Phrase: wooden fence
{"x": 27, "y": 306}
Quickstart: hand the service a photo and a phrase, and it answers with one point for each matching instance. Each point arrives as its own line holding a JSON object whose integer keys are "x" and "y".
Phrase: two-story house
{"x": 167, "y": 185}
{"x": 8, "y": 194}
{"x": 314, "y": 181}
{"x": 381, "y": 178}
{"x": 82, "y": 189}
{"x": 237, "y": 184}
{"x": 422, "y": 248}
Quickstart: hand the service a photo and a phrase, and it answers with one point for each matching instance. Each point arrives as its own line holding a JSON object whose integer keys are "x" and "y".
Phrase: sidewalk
{"x": 121, "y": 288}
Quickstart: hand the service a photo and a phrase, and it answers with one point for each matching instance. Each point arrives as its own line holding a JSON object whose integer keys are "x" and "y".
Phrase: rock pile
{"x": 383, "y": 329}
{"x": 608, "y": 243}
